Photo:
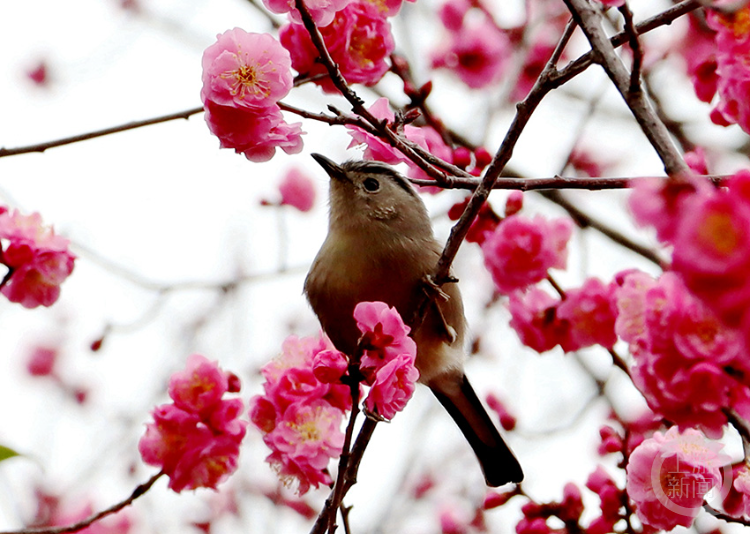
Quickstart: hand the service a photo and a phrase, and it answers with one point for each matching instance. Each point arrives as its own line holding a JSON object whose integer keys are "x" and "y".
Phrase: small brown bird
{"x": 380, "y": 247}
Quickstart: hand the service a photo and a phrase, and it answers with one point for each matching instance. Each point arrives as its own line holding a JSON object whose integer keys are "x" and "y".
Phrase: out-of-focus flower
{"x": 297, "y": 190}
{"x": 590, "y": 312}
{"x": 41, "y": 361}
{"x": 521, "y": 250}
{"x": 478, "y": 53}
{"x": 534, "y": 319}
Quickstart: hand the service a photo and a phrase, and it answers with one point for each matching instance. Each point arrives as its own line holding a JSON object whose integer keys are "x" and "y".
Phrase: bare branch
{"x": 140, "y": 490}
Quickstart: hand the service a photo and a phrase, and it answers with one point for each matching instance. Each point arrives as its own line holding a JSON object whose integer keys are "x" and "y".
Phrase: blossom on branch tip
{"x": 196, "y": 440}
{"x": 393, "y": 386}
{"x": 246, "y": 70}
{"x": 38, "y": 260}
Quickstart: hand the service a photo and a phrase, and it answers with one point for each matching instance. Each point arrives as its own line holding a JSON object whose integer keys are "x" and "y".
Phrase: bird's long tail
{"x": 498, "y": 462}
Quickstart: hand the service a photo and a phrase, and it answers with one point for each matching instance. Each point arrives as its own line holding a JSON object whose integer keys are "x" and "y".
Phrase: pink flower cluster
{"x": 244, "y": 77}
{"x": 585, "y": 317}
{"x": 715, "y": 64}
{"x": 299, "y": 414}
{"x": 709, "y": 230}
{"x": 388, "y": 360}
{"x": 476, "y": 50}
{"x": 669, "y": 474}
{"x": 305, "y": 397}
{"x": 358, "y": 38}
{"x": 37, "y": 259}
{"x": 521, "y": 250}
{"x": 196, "y": 439}
{"x": 687, "y": 363}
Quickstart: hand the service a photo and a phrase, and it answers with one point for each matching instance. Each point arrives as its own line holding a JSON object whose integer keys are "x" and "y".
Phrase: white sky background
{"x": 163, "y": 205}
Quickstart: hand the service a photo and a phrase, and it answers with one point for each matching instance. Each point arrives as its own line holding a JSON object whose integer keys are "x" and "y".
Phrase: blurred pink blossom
{"x": 297, "y": 190}
{"x": 590, "y": 312}
{"x": 478, "y": 53}
{"x": 533, "y": 318}
{"x": 41, "y": 361}
{"x": 521, "y": 250}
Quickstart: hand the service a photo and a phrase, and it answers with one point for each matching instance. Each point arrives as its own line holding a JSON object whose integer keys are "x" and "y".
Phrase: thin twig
{"x": 41, "y": 147}
{"x": 137, "y": 492}
{"x": 635, "y": 47}
{"x": 589, "y": 19}
{"x": 724, "y": 516}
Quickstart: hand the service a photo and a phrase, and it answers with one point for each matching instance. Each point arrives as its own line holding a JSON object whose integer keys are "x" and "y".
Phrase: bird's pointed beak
{"x": 333, "y": 170}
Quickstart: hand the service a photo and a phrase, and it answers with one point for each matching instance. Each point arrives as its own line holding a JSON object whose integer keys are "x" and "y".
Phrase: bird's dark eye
{"x": 371, "y": 184}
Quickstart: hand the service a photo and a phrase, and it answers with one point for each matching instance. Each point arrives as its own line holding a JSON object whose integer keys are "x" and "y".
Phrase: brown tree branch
{"x": 589, "y": 18}
{"x": 41, "y": 147}
{"x": 137, "y": 492}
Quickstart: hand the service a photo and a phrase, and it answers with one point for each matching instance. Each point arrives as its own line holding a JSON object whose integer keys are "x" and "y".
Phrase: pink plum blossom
{"x": 393, "y": 386}
{"x": 533, "y": 318}
{"x": 297, "y": 190}
{"x": 257, "y": 135}
{"x": 590, "y": 312}
{"x": 246, "y": 70}
{"x": 660, "y": 203}
{"x": 38, "y": 260}
{"x": 195, "y": 440}
{"x": 686, "y": 360}
{"x": 200, "y": 387}
{"x": 299, "y": 414}
{"x": 377, "y": 149}
{"x": 322, "y": 11}
{"x": 329, "y": 366}
{"x": 736, "y": 502}
{"x": 521, "y": 250}
{"x": 384, "y": 333}
{"x": 359, "y": 40}
{"x": 478, "y": 53}
{"x": 669, "y": 474}
{"x": 41, "y": 361}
